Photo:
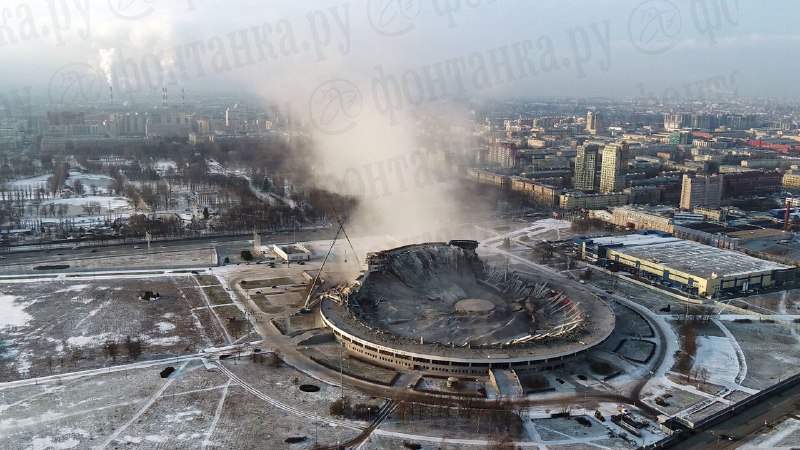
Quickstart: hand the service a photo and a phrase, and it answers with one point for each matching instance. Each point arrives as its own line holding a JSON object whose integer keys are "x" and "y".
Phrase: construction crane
{"x": 341, "y": 230}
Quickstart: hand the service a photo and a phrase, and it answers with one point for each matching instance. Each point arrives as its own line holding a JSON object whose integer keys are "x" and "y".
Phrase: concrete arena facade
{"x": 434, "y": 363}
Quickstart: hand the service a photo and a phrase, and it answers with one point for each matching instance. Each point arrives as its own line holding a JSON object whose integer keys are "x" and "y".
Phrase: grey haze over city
{"x": 589, "y": 49}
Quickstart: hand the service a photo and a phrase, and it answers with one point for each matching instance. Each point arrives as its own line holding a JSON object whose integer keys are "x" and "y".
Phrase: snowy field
{"x": 51, "y": 327}
{"x": 101, "y": 182}
{"x": 718, "y": 357}
{"x": 107, "y": 203}
{"x": 784, "y": 436}
{"x": 192, "y": 408}
{"x": 770, "y": 351}
{"x": 12, "y": 312}
{"x": 97, "y": 193}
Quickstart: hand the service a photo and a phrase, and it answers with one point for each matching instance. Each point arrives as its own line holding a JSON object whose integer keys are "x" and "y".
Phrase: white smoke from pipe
{"x": 108, "y": 59}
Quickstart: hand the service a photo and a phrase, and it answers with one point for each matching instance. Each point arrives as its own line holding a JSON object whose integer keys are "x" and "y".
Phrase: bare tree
{"x": 274, "y": 360}
{"x": 340, "y": 407}
{"x": 238, "y": 351}
{"x": 702, "y": 374}
{"x": 133, "y": 347}
{"x": 236, "y": 326}
{"x": 78, "y": 188}
{"x": 112, "y": 349}
{"x": 688, "y": 347}
{"x": 164, "y": 191}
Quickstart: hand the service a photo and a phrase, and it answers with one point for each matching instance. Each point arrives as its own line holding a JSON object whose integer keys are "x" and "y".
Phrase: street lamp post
{"x": 341, "y": 369}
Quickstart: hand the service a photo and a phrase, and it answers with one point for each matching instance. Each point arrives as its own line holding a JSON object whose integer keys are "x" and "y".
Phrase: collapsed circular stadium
{"x": 438, "y": 307}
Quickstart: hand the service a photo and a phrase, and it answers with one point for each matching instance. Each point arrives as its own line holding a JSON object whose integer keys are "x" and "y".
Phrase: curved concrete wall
{"x": 440, "y": 364}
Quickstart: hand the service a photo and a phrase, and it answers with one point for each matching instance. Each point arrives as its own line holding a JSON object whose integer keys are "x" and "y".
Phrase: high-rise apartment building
{"x": 701, "y": 190}
{"x": 704, "y": 122}
{"x": 128, "y": 124}
{"x": 676, "y": 121}
{"x": 615, "y": 164}
{"x": 236, "y": 118}
{"x": 585, "y": 166}
{"x": 594, "y": 122}
{"x": 502, "y": 154}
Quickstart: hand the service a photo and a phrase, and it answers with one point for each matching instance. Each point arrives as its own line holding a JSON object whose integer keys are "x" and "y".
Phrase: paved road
{"x": 227, "y": 246}
{"x": 747, "y": 422}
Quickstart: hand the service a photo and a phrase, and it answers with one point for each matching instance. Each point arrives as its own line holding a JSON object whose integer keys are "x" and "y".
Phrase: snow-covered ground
{"x": 88, "y": 179}
{"x": 783, "y": 436}
{"x": 56, "y": 319}
{"x": 33, "y": 182}
{"x": 97, "y": 194}
{"x": 718, "y": 357}
{"x": 163, "y": 165}
{"x": 214, "y": 167}
{"x": 12, "y": 313}
{"x": 85, "y": 220}
{"x": 85, "y": 341}
{"x": 107, "y": 203}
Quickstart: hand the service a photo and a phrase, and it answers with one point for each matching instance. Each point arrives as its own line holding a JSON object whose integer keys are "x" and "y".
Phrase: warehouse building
{"x": 692, "y": 267}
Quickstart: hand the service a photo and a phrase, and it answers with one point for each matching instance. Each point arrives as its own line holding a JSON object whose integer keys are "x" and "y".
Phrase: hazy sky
{"x": 577, "y": 48}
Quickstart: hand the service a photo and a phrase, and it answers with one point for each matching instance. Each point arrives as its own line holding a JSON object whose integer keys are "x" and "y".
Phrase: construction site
{"x": 437, "y": 307}
{"x": 446, "y": 344}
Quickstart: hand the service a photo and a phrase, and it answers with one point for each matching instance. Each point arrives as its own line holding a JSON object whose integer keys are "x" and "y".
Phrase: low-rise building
{"x": 643, "y": 195}
{"x": 489, "y": 177}
{"x": 715, "y": 214}
{"x": 769, "y": 164}
{"x": 695, "y": 268}
{"x": 791, "y": 180}
{"x": 643, "y": 218}
{"x": 291, "y": 252}
{"x": 60, "y": 144}
{"x": 541, "y": 194}
{"x": 581, "y": 200}
{"x": 708, "y": 233}
{"x": 751, "y": 183}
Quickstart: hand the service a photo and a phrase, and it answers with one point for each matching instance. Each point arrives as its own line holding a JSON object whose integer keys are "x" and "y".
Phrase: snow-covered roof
{"x": 694, "y": 258}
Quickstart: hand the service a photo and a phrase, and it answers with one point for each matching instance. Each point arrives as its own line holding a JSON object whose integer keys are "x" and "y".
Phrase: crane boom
{"x": 319, "y": 272}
